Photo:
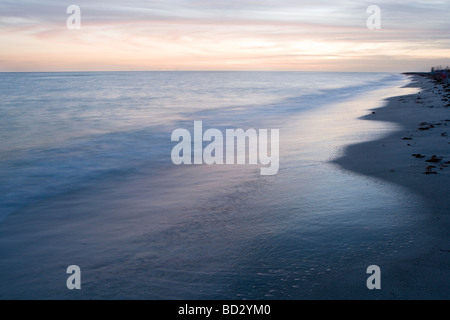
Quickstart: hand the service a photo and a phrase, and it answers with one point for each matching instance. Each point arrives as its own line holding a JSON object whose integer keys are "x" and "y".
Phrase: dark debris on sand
{"x": 442, "y": 87}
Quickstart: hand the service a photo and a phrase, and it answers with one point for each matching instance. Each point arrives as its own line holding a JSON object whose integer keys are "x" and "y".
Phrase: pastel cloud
{"x": 218, "y": 35}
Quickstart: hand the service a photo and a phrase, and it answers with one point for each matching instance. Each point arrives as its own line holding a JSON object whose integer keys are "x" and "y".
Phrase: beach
{"x": 225, "y": 151}
{"x": 416, "y": 156}
{"x": 90, "y": 182}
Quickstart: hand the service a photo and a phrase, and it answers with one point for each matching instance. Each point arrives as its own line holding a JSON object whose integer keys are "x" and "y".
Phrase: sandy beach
{"x": 139, "y": 227}
{"x": 416, "y": 157}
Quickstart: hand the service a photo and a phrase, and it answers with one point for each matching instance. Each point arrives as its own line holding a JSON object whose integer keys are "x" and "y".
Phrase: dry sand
{"x": 416, "y": 157}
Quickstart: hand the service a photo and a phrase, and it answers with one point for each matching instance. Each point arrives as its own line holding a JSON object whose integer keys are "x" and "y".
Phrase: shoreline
{"x": 416, "y": 157}
{"x": 216, "y": 233}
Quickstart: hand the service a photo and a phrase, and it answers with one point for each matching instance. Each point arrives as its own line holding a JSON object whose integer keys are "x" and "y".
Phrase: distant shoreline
{"x": 417, "y": 157}
{"x": 406, "y": 154}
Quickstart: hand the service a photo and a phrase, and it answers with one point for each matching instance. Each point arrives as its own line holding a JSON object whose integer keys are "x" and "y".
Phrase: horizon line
{"x": 103, "y": 71}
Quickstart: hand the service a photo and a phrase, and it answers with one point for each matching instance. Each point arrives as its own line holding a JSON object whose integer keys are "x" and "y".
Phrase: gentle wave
{"x": 60, "y": 131}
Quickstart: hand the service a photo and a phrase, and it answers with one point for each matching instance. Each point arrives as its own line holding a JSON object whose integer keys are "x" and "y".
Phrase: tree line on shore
{"x": 440, "y": 69}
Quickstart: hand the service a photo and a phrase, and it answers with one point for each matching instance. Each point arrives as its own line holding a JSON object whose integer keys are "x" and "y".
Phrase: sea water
{"x": 87, "y": 179}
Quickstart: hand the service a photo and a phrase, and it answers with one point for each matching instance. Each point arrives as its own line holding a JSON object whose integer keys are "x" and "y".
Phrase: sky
{"x": 262, "y": 35}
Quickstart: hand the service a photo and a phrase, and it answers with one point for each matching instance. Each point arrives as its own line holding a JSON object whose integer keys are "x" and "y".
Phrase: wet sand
{"x": 417, "y": 157}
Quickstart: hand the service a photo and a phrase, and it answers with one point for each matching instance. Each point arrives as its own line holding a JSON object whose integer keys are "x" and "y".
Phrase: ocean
{"x": 87, "y": 179}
